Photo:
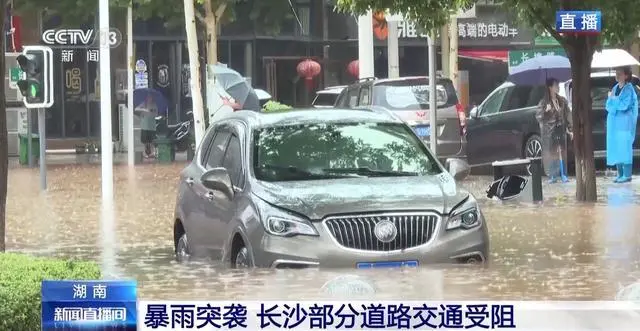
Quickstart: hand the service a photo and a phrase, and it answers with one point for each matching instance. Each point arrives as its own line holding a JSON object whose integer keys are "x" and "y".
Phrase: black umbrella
{"x": 237, "y": 87}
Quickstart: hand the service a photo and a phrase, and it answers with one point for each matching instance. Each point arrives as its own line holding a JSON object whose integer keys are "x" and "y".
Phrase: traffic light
{"x": 36, "y": 84}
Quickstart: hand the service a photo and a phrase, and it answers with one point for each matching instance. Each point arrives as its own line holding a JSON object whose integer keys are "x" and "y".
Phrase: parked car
{"x": 504, "y": 126}
{"x": 337, "y": 188}
{"x": 408, "y": 99}
{"x": 327, "y": 98}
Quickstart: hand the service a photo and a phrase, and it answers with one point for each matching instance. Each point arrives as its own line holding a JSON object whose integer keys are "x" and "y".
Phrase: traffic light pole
{"x": 43, "y": 148}
{"x": 29, "y": 140}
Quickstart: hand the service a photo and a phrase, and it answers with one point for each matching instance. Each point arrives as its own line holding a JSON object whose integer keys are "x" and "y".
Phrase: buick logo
{"x": 385, "y": 231}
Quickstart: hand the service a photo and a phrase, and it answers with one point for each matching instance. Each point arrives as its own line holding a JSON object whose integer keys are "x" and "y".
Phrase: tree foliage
{"x": 620, "y": 18}
{"x": 428, "y": 14}
{"x": 266, "y": 14}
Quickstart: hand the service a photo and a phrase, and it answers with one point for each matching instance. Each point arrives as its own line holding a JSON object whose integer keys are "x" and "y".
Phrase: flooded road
{"x": 559, "y": 250}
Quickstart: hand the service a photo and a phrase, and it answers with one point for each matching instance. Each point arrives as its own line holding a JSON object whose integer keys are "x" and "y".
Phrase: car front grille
{"x": 357, "y": 232}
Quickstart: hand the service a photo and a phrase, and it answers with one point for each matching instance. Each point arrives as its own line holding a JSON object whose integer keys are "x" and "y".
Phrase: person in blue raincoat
{"x": 622, "y": 109}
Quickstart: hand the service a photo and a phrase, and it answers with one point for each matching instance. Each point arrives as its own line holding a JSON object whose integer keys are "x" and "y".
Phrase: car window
{"x": 412, "y": 94}
{"x": 600, "y": 88}
{"x": 216, "y": 150}
{"x": 325, "y": 99}
{"x": 233, "y": 161}
{"x": 517, "y": 98}
{"x": 493, "y": 103}
{"x": 537, "y": 93}
{"x": 337, "y": 150}
{"x": 353, "y": 96}
{"x": 206, "y": 142}
{"x": 365, "y": 94}
{"x": 342, "y": 99}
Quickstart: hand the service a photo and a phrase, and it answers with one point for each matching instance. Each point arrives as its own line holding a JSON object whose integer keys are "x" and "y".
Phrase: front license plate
{"x": 423, "y": 131}
{"x": 376, "y": 265}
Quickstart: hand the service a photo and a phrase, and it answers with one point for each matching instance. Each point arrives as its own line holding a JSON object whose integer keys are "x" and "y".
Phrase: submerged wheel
{"x": 183, "y": 254}
{"x": 241, "y": 258}
{"x": 532, "y": 148}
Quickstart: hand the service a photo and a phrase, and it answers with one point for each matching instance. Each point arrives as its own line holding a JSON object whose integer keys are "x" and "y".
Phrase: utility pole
{"x": 130, "y": 63}
{"x": 194, "y": 65}
{"x": 433, "y": 145}
{"x": 444, "y": 48}
{"x": 393, "y": 56}
{"x": 453, "y": 52}
{"x": 365, "y": 45}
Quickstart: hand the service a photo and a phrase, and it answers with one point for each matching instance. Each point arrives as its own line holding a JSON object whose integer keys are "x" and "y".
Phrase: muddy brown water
{"x": 558, "y": 250}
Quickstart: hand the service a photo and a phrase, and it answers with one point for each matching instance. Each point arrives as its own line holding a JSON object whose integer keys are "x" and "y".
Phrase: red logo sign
{"x": 421, "y": 113}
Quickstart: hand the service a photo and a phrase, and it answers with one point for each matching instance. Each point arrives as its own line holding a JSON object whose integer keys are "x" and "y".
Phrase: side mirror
{"x": 506, "y": 188}
{"x": 218, "y": 179}
{"x": 458, "y": 168}
{"x": 473, "y": 113}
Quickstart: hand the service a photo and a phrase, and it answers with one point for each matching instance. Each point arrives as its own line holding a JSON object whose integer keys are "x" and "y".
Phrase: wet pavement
{"x": 557, "y": 250}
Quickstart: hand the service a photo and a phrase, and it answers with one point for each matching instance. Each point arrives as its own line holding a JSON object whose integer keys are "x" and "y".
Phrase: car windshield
{"x": 409, "y": 96}
{"x": 339, "y": 150}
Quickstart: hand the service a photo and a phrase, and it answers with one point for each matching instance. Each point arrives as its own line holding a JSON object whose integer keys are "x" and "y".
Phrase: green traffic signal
{"x": 33, "y": 91}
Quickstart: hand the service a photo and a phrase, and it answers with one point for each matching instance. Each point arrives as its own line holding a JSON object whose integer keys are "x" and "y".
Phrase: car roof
{"x": 310, "y": 116}
{"x": 332, "y": 89}
{"x": 384, "y": 80}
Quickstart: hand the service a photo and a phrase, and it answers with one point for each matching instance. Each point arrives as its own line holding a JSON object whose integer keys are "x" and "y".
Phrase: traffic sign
{"x": 15, "y": 74}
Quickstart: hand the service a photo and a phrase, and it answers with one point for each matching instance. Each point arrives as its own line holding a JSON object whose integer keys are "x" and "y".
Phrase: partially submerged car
{"x": 328, "y": 188}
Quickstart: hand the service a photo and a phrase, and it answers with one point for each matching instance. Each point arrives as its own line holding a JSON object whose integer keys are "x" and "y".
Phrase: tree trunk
{"x": 580, "y": 51}
{"x": 211, "y": 26}
{"x": 4, "y": 144}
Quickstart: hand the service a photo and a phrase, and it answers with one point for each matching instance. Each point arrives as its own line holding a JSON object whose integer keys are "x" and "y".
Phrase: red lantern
{"x": 354, "y": 68}
{"x": 309, "y": 69}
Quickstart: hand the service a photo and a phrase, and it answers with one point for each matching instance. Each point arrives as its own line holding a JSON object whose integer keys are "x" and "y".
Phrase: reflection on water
{"x": 558, "y": 250}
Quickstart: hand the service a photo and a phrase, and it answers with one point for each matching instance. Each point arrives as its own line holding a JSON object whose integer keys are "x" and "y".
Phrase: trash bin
{"x": 166, "y": 150}
{"x": 24, "y": 148}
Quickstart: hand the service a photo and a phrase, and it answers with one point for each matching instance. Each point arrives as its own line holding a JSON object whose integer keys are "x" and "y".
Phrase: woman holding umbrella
{"x": 555, "y": 125}
{"x": 622, "y": 109}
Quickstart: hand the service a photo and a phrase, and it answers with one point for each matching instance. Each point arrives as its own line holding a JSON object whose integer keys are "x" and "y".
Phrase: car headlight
{"x": 466, "y": 216}
{"x": 288, "y": 227}
{"x": 278, "y": 222}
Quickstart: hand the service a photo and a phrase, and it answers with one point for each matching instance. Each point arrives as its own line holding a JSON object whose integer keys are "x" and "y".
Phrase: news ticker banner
{"x": 89, "y": 305}
{"x": 113, "y": 305}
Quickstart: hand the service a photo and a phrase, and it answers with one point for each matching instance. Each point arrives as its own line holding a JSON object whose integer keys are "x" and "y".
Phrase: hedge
{"x": 275, "y": 107}
{"x": 20, "y": 281}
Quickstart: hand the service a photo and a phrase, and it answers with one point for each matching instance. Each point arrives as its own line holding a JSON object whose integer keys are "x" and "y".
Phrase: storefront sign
{"x": 163, "y": 76}
{"x": 141, "y": 80}
{"x": 73, "y": 81}
{"x": 141, "y": 66}
{"x": 484, "y": 30}
{"x": 517, "y": 57}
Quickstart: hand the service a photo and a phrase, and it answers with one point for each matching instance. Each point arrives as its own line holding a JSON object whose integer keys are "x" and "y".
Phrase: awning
{"x": 485, "y": 55}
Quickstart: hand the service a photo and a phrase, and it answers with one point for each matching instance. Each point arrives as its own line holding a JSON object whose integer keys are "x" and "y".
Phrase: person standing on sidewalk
{"x": 555, "y": 125}
{"x": 148, "y": 127}
{"x": 622, "y": 109}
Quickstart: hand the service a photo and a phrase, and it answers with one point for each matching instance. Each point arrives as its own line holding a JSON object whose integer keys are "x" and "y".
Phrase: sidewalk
{"x": 81, "y": 159}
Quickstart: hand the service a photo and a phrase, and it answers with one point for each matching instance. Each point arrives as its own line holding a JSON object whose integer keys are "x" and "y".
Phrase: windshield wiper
{"x": 300, "y": 172}
{"x": 364, "y": 171}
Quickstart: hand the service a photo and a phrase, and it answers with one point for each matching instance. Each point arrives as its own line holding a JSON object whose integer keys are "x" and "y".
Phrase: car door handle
{"x": 189, "y": 181}
{"x": 209, "y": 196}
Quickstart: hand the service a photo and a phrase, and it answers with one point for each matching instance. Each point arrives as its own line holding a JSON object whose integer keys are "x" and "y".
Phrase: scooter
{"x": 181, "y": 133}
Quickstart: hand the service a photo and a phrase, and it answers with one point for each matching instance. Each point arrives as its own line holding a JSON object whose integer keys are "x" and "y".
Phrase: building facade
{"x": 268, "y": 60}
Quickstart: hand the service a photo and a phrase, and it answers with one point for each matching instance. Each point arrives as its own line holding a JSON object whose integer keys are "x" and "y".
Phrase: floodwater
{"x": 559, "y": 250}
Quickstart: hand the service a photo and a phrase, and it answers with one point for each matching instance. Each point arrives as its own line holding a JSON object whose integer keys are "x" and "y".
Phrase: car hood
{"x": 317, "y": 199}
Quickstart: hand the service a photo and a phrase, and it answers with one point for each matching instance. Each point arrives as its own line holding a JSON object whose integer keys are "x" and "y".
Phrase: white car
{"x": 327, "y": 98}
